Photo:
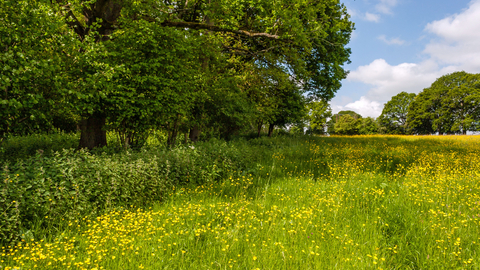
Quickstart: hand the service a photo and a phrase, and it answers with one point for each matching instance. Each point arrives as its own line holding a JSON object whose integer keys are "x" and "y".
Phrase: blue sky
{"x": 404, "y": 45}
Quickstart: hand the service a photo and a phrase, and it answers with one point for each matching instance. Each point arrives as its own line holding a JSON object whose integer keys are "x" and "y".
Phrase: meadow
{"x": 362, "y": 202}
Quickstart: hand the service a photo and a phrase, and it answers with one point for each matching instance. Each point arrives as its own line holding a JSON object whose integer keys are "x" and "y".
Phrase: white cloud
{"x": 458, "y": 39}
{"x": 388, "y": 80}
{"x": 385, "y": 6}
{"x": 365, "y": 107}
{"x": 392, "y": 41}
{"x": 372, "y": 17}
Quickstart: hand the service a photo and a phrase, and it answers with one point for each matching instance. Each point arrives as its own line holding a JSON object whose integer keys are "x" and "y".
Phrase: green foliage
{"x": 393, "y": 119}
{"x": 44, "y": 190}
{"x": 279, "y": 101}
{"x": 354, "y": 125}
{"x": 150, "y": 64}
{"x": 347, "y": 125}
{"x": 368, "y": 126}
{"x": 336, "y": 117}
{"x": 318, "y": 113}
{"x": 450, "y": 105}
{"x": 34, "y": 45}
{"x": 157, "y": 81}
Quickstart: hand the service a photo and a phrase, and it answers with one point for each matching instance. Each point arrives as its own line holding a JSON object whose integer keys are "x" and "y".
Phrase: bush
{"x": 67, "y": 185}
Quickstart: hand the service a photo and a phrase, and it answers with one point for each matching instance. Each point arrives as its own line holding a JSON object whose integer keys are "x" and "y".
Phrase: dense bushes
{"x": 45, "y": 189}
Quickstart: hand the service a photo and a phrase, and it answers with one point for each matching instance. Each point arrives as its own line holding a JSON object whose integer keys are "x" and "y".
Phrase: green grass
{"x": 315, "y": 203}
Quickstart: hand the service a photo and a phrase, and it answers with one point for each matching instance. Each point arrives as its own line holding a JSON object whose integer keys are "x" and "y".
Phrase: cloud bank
{"x": 454, "y": 47}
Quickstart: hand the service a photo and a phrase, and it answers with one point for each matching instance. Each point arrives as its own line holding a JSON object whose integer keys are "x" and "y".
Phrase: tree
{"x": 394, "y": 114}
{"x": 334, "y": 119}
{"x": 463, "y": 101}
{"x": 157, "y": 82}
{"x": 419, "y": 117}
{"x": 368, "y": 126}
{"x": 318, "y": 113}
{"x": 347, "y": 125}
{"x": 451, "y": 105}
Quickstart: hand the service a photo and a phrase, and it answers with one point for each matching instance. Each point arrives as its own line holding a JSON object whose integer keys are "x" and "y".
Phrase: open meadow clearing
{"x": 365, "y": 202}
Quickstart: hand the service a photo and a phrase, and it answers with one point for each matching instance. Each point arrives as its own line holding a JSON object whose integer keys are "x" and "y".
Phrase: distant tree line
{"x": 451, "y": 105}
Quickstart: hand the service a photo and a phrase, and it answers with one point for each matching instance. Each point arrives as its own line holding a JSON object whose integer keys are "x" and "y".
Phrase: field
{"x": 365, "y": 202}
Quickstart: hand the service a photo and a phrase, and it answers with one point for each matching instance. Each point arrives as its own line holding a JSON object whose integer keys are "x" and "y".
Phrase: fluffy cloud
{"x": 372, "y": 17}
{"x": 392, "y": 41}
{"x": 387, "y": 80}
{"x": 383, "y": 7}
{"x": 458, "y": 39}
{"x": 365, "y": 107}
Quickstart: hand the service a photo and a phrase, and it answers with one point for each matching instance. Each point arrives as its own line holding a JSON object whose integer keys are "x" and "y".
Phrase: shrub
{"x": 67, "y": 185}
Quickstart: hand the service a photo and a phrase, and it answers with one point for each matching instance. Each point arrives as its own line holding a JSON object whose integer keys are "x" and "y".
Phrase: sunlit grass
{"x": 324, "y": 203}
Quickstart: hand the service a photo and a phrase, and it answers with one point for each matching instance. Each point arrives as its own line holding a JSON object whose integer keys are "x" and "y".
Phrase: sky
{"x": 405, "y": 45}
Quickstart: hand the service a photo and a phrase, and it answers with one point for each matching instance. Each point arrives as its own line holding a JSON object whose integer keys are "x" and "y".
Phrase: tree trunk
{"x": 172, "y": 137}
{"x": 259, "y": 128}
{"x": 270, "y": 130}
{"x": 173, "y": 132}
{"x": 194, "y": 133}
{"x": 92, "y": 132}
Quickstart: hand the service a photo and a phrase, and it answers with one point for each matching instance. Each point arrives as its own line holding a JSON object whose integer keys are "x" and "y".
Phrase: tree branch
{"x": 249, "y": 52}
{"x": 73, "y": 22}
{"x": 213, "y": 28}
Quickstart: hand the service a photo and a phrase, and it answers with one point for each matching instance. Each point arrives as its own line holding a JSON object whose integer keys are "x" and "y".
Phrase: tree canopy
{"x": 336, "y": 117}
{"x": 451, "y": 105}
{"x": 135, "y": 65}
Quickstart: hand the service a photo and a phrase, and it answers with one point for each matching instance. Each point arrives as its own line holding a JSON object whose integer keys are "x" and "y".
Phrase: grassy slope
{"x": 322, "y": 203}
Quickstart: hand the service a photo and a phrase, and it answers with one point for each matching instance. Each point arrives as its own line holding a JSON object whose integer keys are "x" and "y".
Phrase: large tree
{"x": 393, "y": 119}
{"x": 451, "y": 105}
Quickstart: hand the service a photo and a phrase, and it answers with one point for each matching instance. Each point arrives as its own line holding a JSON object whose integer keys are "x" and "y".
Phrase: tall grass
{"x": 312, "y": 203}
